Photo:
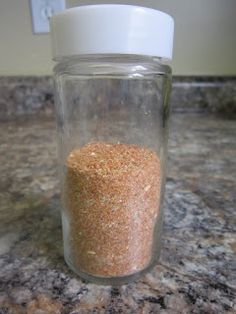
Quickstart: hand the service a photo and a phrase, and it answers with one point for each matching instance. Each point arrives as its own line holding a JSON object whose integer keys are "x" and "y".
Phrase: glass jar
{"x": 112, "y": 115}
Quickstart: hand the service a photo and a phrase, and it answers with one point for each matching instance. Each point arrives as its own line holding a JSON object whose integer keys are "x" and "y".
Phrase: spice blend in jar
{"x": 112, "y": 196}
{"x": 114, "y": 87}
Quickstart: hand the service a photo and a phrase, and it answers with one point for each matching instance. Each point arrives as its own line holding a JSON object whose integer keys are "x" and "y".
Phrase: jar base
{"x": 110, "y": 281}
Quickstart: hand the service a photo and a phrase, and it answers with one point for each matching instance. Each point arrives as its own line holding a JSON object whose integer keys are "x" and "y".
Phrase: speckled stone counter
{"x": 197, "y": 269}
{"x": 21, "y": 96}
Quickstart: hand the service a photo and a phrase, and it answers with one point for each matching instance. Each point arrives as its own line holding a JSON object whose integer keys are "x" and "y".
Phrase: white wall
{"x": 205, "y": 37}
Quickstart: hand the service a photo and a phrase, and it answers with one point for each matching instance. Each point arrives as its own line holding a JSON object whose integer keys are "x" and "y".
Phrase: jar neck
{"x": 113, "y": 63}
{"x": 113, "y": 57}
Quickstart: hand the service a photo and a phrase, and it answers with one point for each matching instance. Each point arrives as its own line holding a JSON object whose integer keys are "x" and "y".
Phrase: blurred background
{"x": 205, "y": 39}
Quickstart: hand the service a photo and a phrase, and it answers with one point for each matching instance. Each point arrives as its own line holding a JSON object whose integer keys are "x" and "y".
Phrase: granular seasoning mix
{"x": 111, "y": 196}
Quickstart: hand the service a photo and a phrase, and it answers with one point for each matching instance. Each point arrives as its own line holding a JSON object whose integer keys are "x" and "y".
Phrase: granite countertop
{"x": 197, "y": 269}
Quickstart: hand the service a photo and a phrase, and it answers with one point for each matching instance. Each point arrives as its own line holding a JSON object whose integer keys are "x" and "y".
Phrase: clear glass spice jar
{"x": 112, "y": 82}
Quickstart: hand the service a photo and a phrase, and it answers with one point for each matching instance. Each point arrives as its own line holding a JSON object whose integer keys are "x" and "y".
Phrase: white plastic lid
{"x": 112, "y": 29}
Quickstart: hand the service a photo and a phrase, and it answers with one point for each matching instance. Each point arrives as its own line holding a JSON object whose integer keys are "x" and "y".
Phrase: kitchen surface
{"x": 196, "y": 272}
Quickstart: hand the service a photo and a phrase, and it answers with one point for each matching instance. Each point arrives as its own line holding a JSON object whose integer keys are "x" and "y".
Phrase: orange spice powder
{"x": 111, "y": 195}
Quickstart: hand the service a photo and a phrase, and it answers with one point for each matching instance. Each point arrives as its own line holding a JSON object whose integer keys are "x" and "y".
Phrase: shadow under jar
{"x": 112, "y": 112}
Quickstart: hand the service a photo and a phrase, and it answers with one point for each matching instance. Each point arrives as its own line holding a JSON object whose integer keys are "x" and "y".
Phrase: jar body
{"x": 112, "y": 116}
